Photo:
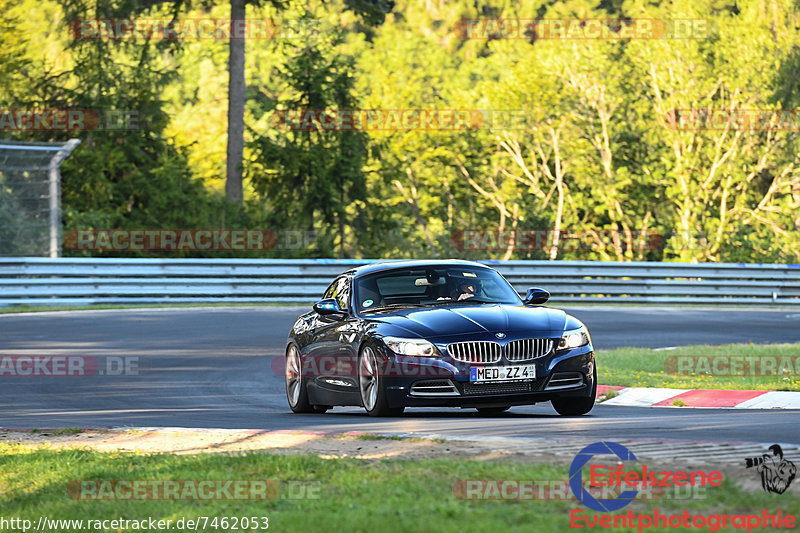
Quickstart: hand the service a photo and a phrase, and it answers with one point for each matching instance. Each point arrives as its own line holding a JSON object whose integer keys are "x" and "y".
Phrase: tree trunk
{"x": 236, "y": 99}
{"x": 559, "y": 175}
{"x": 341, "y": 221}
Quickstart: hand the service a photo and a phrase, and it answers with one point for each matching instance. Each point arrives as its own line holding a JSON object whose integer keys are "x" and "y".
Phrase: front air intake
{"x": 434, "y": 387}
{"x": 565, "y": 380}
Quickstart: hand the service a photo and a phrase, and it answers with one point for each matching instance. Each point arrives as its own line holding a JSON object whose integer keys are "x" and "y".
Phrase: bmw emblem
{"x": 500, "y": 335}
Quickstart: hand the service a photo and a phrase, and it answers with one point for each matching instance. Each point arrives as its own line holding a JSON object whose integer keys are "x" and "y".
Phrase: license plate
{"x": 479, "y": 374}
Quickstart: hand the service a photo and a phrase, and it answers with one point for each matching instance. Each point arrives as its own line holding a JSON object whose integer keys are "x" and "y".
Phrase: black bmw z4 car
{"x": 392, "y": 335}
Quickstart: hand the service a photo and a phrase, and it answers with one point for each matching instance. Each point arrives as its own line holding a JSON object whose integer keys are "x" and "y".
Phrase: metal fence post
{"x": 55, "y": 195}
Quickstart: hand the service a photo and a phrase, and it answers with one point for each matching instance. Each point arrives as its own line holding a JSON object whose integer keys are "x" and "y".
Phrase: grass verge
{"x": 350, "y": 494}
{"x": 397, "y": 437}
{"x": 693, "y": 367}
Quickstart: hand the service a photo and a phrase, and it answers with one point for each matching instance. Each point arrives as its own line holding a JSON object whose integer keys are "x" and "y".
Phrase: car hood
{"x": 515, "y": 321}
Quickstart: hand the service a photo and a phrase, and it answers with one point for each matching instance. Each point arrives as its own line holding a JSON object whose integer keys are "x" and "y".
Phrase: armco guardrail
{"x": 85, "y": 281}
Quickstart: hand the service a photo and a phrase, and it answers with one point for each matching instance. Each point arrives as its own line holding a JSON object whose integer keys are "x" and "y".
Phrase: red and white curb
{"x": 700, "y": 398}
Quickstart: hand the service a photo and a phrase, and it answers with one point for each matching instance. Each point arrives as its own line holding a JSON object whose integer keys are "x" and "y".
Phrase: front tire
{"x": 296, "y": 392}
{"x": 577, "y": 406}
{"x": 371, "y": 385}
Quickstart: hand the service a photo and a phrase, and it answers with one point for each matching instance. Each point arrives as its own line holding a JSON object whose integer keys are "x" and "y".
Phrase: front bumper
{"x": 440, "y": 383}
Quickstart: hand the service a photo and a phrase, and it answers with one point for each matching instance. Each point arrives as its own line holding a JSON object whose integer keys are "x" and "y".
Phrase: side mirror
{"x": 536, "y": 296}
{"x": 328, "y": 306}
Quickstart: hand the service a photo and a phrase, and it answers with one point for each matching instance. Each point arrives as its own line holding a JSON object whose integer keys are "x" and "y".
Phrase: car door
{"x": 347, "y": 333}
{"x": 328, "y": 353}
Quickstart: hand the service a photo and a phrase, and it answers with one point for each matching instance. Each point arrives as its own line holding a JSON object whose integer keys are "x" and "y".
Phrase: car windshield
{"x": 431, "y": 286}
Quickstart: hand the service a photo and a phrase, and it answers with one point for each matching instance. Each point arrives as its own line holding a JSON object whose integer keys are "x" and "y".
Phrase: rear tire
{"x": 370, "y": 383}
{"x": 491, "y": 411}
{"x": 577, "y": 406}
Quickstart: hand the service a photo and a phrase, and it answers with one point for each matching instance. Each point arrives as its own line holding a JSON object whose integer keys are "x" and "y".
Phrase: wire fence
{"x": 30, "y": 197}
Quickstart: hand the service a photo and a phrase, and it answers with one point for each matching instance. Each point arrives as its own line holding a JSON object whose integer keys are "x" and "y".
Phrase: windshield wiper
{"x": 391, "y": 306}
{"x": 454, "y": 302}
{"x": 428, "y": 304}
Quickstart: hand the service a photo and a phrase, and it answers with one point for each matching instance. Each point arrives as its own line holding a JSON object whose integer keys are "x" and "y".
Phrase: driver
{"x": 463, "y": 289}
{"x": 466, "y": 289}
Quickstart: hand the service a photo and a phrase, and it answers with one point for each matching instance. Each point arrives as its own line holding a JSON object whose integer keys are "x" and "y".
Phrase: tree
{"x": 308, "y": 173}
{"x": 236, "y": 101}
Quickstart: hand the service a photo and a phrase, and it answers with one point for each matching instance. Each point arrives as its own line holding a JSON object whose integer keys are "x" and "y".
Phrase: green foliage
{"x": 594, "y": 154}
{"x": 305, "y": 174}
{"x": 404, "y": 493}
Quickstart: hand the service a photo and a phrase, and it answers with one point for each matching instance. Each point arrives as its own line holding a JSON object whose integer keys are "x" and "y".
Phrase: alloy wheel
{"x": 293, "y": 376}
{"x": 368, "y": 378}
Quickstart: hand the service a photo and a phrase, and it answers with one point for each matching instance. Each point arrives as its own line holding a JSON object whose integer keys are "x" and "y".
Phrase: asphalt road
{"x": 210, "y": 368}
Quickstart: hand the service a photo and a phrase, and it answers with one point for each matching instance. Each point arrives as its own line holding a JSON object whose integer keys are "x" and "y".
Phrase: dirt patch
{"x": 187, "y": 441}
{"x": 352, "y": 445}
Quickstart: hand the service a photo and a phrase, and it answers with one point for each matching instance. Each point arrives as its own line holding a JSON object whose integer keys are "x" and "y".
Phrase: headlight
{"x": 574, "y": 339}
{"x": 418, "y": 347}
